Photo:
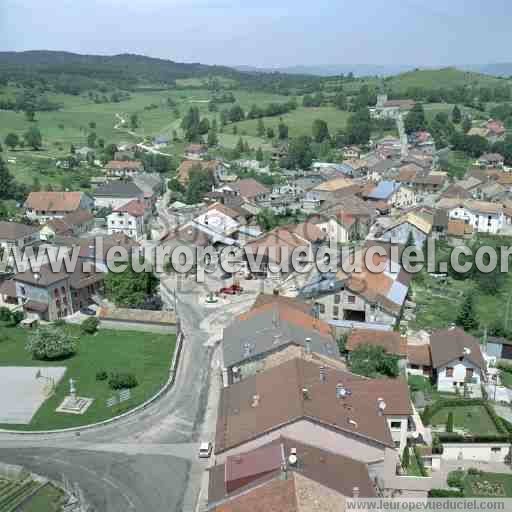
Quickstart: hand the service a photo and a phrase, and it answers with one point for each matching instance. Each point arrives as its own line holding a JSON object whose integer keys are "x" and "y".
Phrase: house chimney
{"x": 355, "y": 493}
{"x": 381, "y": 406}
{"x": 307, "y": 346}
{"x": 255, "y": 401}
{"x": 305, "y": 393}
{"x": 341, "y": 392}
{"x": 323, "y": 374}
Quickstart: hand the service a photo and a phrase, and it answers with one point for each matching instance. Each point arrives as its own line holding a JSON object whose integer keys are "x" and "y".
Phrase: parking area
{"x": 28, "y": 388}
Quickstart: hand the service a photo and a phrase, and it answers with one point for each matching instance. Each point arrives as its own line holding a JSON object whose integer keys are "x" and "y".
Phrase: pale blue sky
{"x": 267, "y": 33}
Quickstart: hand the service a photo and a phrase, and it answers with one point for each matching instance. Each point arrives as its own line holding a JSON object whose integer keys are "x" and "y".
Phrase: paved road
{"x": 148, "y": 461}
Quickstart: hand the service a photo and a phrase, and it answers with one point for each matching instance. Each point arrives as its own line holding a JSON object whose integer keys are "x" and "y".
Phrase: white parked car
{"x": 205, "y": 450}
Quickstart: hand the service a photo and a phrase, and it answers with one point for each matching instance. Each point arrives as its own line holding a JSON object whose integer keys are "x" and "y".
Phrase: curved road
{"x": 146, "y": 462}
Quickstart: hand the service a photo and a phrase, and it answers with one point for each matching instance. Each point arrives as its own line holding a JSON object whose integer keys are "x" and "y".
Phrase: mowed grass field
{"x": 299, "y": 121}
{"x": 147, "y": 355}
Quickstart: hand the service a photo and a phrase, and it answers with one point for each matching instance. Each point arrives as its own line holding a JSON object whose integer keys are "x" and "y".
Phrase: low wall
{"x": 123, "y": 325}
{"x": 485, "y": 452}
{"x": 138, "y": 319}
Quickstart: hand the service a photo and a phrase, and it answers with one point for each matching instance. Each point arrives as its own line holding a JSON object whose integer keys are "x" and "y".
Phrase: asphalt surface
{"x": 148, "y": 461}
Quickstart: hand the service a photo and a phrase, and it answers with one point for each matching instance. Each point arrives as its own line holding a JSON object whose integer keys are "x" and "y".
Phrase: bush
{"x": 122, "y": 380}
{"x": 49, "y": 342}
{"x": 90, "y": 325}
{"x": 456, "y": 479}
{"x": 5, "y": 314}
{"x": 475, "y": 472}
{"x": 101, "y": 375}
{"x": 10, "y": 318}
{"x": 418, "y": 383}
{"x": 59, "y": 323}
{"x": 445, "y": 493}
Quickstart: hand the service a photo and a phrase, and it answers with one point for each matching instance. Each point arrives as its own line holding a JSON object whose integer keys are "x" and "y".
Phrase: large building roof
{"x": 388, "y": 288}
{"x": 249, "y": 188}
{"x": 334, "y": 185}
{"x": 447, "y": 345}
{"x": 44, "y": 276}
{"x": 118, "y": 189}
{"x": 54, "y": 201}
{"x": 242, "y": 473}
{"x": 269, "y": 328}
{"x": 16, "y": 230}
{"x": 294, "y": 390}
{"x": 135, "y": 208}
{"x": 125, "y": 164}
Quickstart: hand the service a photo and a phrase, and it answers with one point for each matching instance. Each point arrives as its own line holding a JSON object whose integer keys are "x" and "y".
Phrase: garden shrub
{"x": 90, "y": 325}
{"x": 122, "y": 380}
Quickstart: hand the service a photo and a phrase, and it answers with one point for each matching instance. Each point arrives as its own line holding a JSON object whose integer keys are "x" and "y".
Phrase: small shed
{"x": 498, "y": 347}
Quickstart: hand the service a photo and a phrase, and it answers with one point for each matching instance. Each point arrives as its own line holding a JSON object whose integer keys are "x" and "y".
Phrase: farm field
{"x": 147, "y": 355}
{"x": 299, "y": 121}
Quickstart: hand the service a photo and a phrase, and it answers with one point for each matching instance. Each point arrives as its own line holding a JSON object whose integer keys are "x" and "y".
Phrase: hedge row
{"x": 431, "y": 410}
{"x": 448, "y": 437}
{"x": 445, "y": 493}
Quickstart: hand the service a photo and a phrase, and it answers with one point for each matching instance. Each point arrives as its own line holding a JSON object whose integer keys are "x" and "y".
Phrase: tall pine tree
{"x": 467, "y": 314}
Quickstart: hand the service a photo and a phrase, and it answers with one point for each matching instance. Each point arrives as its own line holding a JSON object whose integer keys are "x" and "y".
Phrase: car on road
{"x": 205, "y": 450}
{"x": 231, "y": 290}
{"x": 88, "y": 311}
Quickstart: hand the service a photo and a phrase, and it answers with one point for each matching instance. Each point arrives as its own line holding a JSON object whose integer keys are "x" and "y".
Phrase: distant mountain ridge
{"x": 358, "y": 70}
{"x": 361, "y": 70}
{"x": 107, "y": 65}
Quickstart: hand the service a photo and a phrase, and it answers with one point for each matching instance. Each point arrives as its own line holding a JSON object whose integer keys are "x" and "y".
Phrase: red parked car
{"x": 231, "y": 290}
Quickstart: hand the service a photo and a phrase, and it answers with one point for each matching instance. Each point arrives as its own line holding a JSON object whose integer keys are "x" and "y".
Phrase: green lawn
{"x": 474, "y": 419}
{"x": 47, "y": 499}
{"x": 299, "y": 121}
{"x": 504, "y": 482}
{"x": 445, "y": 78}
{"x": 147, "y": 355}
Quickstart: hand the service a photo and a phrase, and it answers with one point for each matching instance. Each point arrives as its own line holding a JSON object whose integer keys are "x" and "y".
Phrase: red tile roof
{"x": 125, "y": 164}
{"x": 133, "y": 207}
{"x": 392, "y": 341}
{"x": 54, "y": 201}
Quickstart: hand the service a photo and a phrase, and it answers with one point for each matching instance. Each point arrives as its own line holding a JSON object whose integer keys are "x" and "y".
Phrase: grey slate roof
{"x": 118, "y": 189}
{"x": 322, "y": 284}
{"x": 265, "y": 333}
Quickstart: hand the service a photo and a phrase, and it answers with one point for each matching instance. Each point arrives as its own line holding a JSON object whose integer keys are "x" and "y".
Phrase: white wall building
{"x": 127, "y": 219}
{"x": 483, "y": 216}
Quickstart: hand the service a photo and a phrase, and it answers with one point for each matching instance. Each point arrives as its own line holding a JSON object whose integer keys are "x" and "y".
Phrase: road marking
{"x": 94, "y": 474}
